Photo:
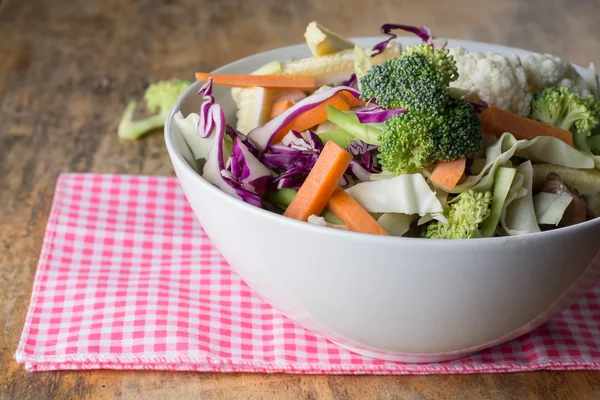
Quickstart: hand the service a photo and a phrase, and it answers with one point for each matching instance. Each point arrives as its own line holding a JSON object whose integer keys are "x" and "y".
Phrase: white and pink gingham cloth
{"x": 127, "y": 279}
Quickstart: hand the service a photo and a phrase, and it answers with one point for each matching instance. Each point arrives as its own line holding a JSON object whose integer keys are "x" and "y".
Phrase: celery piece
{"x": 337, "y": 136}
{"x": 348, "y": 121}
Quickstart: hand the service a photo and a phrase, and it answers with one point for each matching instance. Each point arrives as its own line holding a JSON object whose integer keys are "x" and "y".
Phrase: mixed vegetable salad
{"x": 422, "y": 141}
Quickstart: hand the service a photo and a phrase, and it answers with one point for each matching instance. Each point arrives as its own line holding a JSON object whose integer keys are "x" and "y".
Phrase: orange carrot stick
{"x": 355, "y": 217}
{"x": 496, "y": 121}
{"x": 314, "y": 116}
{"x": 320, "y": 183}
{"x": 280, "y": 107}
{"x": 447, "y": 174}
{"x": 265, "y": 81}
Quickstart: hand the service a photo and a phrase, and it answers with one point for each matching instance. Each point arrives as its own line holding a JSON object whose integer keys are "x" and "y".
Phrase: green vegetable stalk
{"x": 159, "y": 97}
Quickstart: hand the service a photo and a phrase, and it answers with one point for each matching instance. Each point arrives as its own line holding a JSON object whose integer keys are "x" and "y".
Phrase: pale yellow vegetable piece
{"x": 254, "y": 104}
{"x": 254, "y": 107}
{"x": 322, "y": 41}
{"x": 334, "y": 68}
{"x": 585, "y": 181}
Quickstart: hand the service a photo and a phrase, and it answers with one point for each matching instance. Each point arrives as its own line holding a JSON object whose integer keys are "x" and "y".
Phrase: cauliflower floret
{"x": 494, "y": 78}
{"x": 546, "y": 70}
{"x": 577, "y": 85}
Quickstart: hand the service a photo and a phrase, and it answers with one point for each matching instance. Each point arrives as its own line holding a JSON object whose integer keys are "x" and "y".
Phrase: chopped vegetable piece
{"x": 518, "y": 214}
{"x": 417, "y": 80}
{"x": 504, "y": 178}
{"x": 355, "y": 217}
{"x": 322, "y": 41}
{"x": 565, "y": 109}
{"x": 320, "y": 184}
{"x": 292, "y": 95}
{"x": 585, "y": 181}
{"x": 407, "y": 194}
{"x": 550, "y": 207}
{"x": 362, "y": 62}
{"x": 321, "y": 221}
{"x": 254, "y": 106}
{"x": 352, "y": 101}
{"x": 314, "y": 116}
{"x": 464, "y": 215}
{"x": 159, "y": 97}
{"x": 283, "y": 198}
{"x": 339, "y": 136}
{"x": 333, "y": 68}
{"x": 265, "y": 135}
{"x": 280, "y": 107}
{"x": 265, "y": 81}
{"x": 447, "y": 174}
{"x": 497, "y": 121}
{"x": 396, "y": 224}
{"x": 368, "y": 133}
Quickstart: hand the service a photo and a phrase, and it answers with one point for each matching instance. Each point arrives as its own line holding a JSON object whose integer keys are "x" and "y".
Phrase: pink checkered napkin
{"x": 127, "y": 279}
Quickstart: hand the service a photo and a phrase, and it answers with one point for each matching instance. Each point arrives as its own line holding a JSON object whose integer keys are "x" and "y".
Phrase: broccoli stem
{"x": 337, "y": 136}
{"x": 594, "y": 144}
{"x": 349, "y": 122}
{"x": 132, "y": 130}
{"x": 581, "y": 142}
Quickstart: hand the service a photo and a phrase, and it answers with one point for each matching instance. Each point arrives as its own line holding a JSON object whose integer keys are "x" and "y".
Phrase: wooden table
{"x": 66, "y": 71}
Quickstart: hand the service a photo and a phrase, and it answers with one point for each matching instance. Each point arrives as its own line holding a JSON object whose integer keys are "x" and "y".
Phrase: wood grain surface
{"x": 67, "y": 69}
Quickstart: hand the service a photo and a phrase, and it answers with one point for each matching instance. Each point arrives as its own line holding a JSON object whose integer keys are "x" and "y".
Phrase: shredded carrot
{"x": 447, "y": 174}
{"x": 320, "y": 183}
{"x": 265, "y": 81}
{"x": 314, "y": 116}
{"x": 496, "y": 121}
{"x": 355, "y": 217}
{"x": 280, "y": 107}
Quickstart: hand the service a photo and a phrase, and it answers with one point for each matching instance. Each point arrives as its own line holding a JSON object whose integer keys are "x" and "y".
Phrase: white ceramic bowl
{"x": 400, "y": 299}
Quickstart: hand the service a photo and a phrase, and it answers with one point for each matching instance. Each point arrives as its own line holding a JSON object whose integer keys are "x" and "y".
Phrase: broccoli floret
{"x": 413, "y": 141}
{"x": 465, "y": 214}
{"x": 159, "y": 97}
{"x": 565, "y": 109}
{"x": 442, "y": 62}
{"x": 459, "y": 133}
{"x": 407, "y": 143}
{"x": 410, "y": 81}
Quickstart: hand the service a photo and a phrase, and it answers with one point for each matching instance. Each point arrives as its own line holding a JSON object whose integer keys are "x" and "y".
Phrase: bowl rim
{"x": 231, "y": 201}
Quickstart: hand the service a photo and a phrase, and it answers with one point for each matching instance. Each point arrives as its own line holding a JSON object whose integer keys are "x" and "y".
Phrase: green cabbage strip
{"x": 518, "y": 216}
{"x": 550, "y": 207}
{"x": 396, "y": 224}
{"x": 406, "y": 194}
{"x": 504, "y": 179}
{"x": 542, "y": 149}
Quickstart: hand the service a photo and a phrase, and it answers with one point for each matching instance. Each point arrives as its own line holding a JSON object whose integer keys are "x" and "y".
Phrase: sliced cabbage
{"x": 443, "y": 198}
{"x": 189, "y": 129}
{"x": 407, "y": 194}
{"x": 550, "y": 207}
{"x": 504, "y": 179}
{"x": 518, "y": 216}
{"x": 541, "y": 149}
{"x": 396, "y": 224}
